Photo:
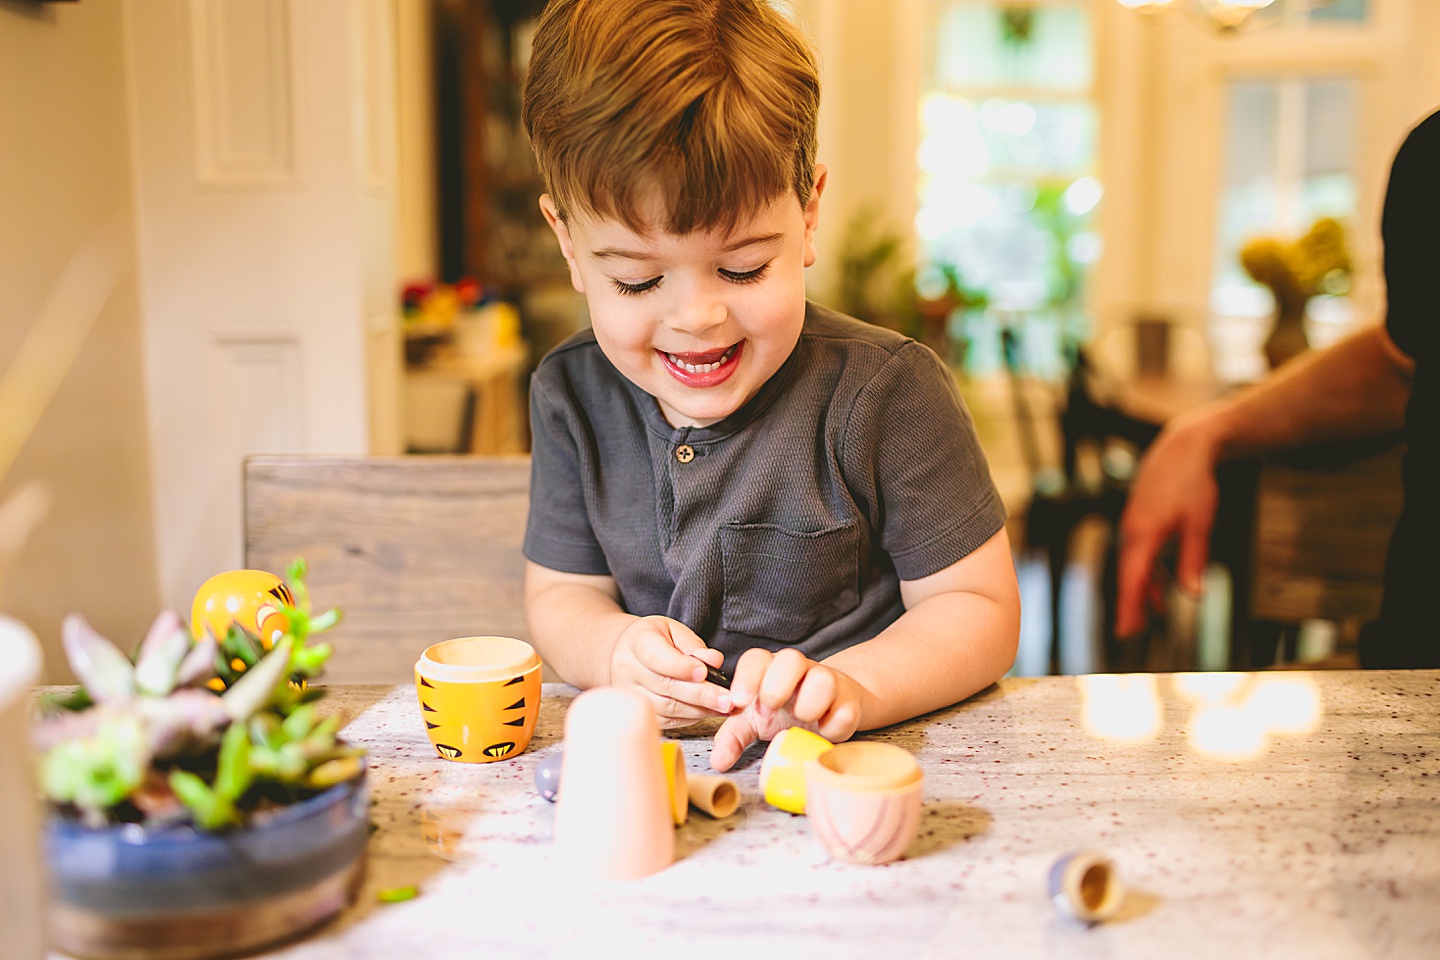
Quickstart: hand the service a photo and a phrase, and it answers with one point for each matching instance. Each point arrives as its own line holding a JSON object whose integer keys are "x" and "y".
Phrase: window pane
{"x": 981, "y": 44}
{"x": 1007, "y": 157}
{"x": 1289, "y": 160}
{"x": 1353, "y": 11}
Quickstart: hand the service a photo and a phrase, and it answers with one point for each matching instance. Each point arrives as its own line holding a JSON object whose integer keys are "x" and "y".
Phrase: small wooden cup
{"x": 863, "y": 799}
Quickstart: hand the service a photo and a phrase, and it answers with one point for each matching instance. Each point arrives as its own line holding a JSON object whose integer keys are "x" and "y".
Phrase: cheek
{"x": 620, "y": 332}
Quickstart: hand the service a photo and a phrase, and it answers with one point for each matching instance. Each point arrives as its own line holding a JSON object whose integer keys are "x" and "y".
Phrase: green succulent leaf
{"x": 233, "y": 775}
{"x": 300, "y": 722}
{"x": 308, "y": 660}
{"x": 257, "y": 686}
{"x": 283, "y": 765}
{"x": 265, "y": 730}
{"x": 325, "y": 621}
{"x": 76, "y": 700}
{"x": 331, "y": 772}
{"x": 240, "y": 645}
{"x": 211, "y": 811}
{"x": 97, "y": 773}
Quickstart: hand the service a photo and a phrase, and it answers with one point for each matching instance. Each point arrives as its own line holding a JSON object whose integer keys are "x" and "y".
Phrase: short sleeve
{"x": 1412, "y": 210}
{"x": 935, "y": 502}
{"x": 558, "y": 533}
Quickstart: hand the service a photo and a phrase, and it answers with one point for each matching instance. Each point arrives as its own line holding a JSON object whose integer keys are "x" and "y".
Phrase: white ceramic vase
{"x": 613, "y": 818}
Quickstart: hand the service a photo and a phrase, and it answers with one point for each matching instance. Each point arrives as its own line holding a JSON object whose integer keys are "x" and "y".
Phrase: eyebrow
{"x": 620, "y": 253}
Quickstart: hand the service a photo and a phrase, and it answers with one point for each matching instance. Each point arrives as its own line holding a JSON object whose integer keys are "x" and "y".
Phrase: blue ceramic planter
{"x": 180, "y": 893}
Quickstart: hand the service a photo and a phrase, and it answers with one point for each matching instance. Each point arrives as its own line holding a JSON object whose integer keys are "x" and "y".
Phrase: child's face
{"x": 698, "y": 321}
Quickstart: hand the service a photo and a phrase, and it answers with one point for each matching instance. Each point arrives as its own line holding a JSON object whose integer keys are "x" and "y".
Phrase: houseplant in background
{"x": 188, "y": 821}
{"x": 1295, "y": 271}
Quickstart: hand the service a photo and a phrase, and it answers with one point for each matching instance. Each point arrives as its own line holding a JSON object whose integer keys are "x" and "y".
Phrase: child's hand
{"x": 666, "y": 661}
{"x": 785, "y": 689}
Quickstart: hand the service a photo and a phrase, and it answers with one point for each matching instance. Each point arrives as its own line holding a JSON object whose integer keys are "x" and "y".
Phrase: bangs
{"x": 692, "y": 125}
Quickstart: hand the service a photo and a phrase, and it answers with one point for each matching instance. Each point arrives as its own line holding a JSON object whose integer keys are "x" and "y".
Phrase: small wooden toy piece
{"x": 717, "y": 796}
{"x": 251, "y": 598}
{"x": 479, "y": 697}
{"x": 1084, "y": 886}
{"x": 613, "y": 819}
{"x": 547, "y": 775}
{"x": 672, "y": 759}
{"x": 864, "y": 800}
{"x": 782, "y": 771}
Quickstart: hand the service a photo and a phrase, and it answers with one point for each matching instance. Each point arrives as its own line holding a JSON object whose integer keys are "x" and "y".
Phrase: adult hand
{"x": 781, "y": 690}
{"x": 665, "y": 660}
{"x": 1174, "y": 495}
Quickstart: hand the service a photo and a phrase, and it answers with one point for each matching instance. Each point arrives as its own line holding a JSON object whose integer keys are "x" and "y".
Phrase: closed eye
{"x": 747, "y": 276}
{"x": 635, "y": 289}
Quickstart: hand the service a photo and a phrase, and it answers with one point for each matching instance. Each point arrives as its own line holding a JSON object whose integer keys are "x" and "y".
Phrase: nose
{"x": 698, "y": 311}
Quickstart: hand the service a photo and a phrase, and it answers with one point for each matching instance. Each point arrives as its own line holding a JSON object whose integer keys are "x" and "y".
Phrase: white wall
{"x": 246, "y": 151}
{"x": 65, "y": 168}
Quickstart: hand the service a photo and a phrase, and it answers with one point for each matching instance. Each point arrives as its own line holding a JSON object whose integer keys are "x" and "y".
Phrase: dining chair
{"x": 413, "y": 550}
{"x": 1323, "y": 520}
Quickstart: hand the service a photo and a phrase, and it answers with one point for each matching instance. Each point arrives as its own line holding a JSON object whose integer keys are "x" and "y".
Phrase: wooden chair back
{"x": 1323, "y": 522}
{"x": 413, "y": 550}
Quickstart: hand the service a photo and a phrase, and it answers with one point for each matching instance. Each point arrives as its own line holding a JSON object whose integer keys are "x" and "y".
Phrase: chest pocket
{"x": 784, "y": 585}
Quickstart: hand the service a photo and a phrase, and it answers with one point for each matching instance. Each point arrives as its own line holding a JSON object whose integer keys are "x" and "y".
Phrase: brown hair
{"x": 711, "y": 103}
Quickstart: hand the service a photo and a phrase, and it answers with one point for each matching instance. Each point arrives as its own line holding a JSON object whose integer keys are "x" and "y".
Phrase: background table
{"x": 1251, "y": 815}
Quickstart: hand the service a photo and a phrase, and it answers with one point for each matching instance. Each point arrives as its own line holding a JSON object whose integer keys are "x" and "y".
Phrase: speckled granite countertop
{"x": 1250, "y": 815}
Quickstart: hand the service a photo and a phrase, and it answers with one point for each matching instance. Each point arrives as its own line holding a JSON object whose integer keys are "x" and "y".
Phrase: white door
{"x": 263, "y": 136}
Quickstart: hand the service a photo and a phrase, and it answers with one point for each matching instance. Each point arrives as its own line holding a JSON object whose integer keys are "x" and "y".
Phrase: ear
{"x": 812, "y": 213}
{"x": 562, "y": 234}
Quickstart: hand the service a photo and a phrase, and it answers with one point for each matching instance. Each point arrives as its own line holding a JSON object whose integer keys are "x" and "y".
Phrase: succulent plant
{"x": 140, "y": 737}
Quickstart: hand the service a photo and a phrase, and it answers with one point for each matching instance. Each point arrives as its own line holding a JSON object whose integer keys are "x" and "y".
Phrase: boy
{"x": 724, "y": 474}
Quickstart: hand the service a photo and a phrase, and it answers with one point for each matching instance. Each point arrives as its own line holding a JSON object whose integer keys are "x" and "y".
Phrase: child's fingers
{"x": 658, "y": 654}
{"x": 782, "y": 677}
{"x": 675, "y": 713}
{"x": 816, "y": 694}
{"x": 840, "y": 721}
{"x": 734, "y": 735}
{"x": 683, "y": 693}
{"x": 749, "y": 672}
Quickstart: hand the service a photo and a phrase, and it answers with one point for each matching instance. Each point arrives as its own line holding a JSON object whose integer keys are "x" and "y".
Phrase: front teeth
{"x": 701, "y": 367}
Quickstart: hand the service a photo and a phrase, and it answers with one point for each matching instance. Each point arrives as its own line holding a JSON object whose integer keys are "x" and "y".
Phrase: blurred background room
{"x": 232, "y": 227}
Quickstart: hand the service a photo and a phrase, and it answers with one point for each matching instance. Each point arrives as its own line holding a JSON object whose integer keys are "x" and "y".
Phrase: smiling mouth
{"x": 701, "y": 363}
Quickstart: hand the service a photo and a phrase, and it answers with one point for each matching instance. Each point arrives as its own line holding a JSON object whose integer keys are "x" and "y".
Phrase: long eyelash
{"x": 749, "y": 276}
{"x": 635, "y": 289}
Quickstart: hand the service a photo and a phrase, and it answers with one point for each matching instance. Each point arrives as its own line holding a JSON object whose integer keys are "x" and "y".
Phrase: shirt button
{"x": 684, "y": 453}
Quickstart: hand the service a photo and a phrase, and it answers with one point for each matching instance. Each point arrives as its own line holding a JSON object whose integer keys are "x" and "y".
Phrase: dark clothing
{"x": 1406, "y": 633}
{"x": 790, "y": 522}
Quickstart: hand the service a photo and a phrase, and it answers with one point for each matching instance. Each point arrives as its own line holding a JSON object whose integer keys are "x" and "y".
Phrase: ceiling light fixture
{"x": 1229, "y": 15}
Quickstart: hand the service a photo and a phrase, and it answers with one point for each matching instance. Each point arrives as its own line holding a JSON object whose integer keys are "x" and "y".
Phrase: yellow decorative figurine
{"x": 250, "y": 598}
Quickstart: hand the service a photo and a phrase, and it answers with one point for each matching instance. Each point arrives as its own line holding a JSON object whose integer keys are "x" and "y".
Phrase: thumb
{"x": 734, "y": 735}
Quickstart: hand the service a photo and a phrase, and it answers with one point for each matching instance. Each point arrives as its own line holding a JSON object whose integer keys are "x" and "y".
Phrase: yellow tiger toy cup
{"x": 479, "y": 697}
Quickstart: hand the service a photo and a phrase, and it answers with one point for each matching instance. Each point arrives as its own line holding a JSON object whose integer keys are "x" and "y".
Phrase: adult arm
{"x": 1357, "y": 387}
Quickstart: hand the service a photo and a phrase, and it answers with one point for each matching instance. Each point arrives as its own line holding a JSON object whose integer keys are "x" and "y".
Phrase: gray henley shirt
{"x": 788, "y": 523}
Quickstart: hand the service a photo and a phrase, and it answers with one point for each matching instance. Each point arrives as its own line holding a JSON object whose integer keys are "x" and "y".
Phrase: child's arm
{"x": 957, "y": 636}
{"x": 580, "y": 629}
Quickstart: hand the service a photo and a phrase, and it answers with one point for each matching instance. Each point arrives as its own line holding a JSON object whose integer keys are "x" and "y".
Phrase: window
{"x": 1289, "y": 160}
{"x": 1007, "y": 188}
